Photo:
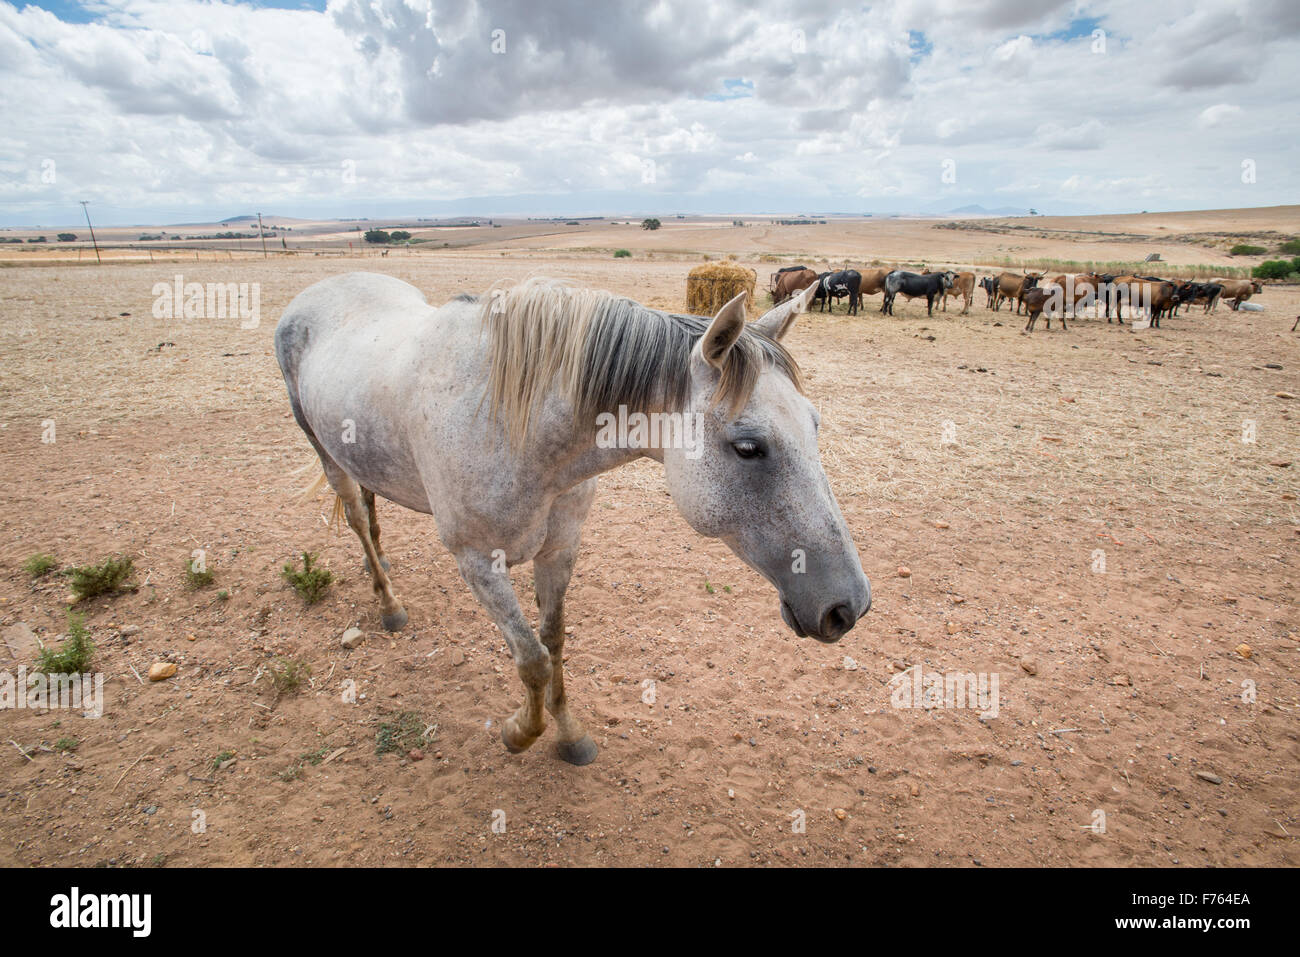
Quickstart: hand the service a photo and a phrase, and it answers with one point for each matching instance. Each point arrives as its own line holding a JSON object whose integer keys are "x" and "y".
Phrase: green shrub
{"x": 1245, "y": 249}
{"x": 622, "y": 253}
{"x": 1290, "y": 247}
{"x": 310, "y": 583}
{"x": 40, "y": 564}
{"x": 288, "y": 674}
{"x": 1274, "y": 269}
{"x": 106, "y": 578}
{"x": 194, "y": 578}
{"x": 73, "y": 657}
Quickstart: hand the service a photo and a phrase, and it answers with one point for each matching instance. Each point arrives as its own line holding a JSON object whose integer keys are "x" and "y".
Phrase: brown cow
{"x": 1159, "y": 297}
{"x": 963, "y": 285}
{"x": 1237, "y": 291}
{"x": 1080, "y": 290}
{"x": 1047, "y": 298}
{"x": 1011, "y": 286}
{"x": 786, "y": 283}
{"x": 873, "y": 281}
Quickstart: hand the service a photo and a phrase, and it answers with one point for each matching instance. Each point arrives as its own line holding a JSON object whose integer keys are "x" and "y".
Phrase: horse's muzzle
{"x": 833, "y": 623}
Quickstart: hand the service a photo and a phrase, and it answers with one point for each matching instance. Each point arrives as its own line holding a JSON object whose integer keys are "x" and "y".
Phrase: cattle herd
{"x": 1034, "y": 293}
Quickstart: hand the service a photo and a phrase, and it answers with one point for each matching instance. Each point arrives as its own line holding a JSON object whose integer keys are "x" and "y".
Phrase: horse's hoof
{"x": 514, "y": 742}
{"x": 383, "y": 563}
{"x": 580, "y": 752}
{"x": 396, "y": 621}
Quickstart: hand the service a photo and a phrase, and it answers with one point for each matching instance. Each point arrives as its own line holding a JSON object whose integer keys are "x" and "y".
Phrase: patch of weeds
{"x": 66, "y": 744}
{"x": 404, "y": 732}
{"x": 221, "y": 759}
{"x": 73, "y": 656}
{"x": 106, "y": 578}
{"x": 40, "y": 564}
{"x": 316, "y": 757}
{"x": 294, "y": 771}
{"x": 195, "y": 578}
{"x": 287, "y": 675}
{"x": 708, "y": 587}
{"x": 310, "y": 583}
{"x": 223, "y": 595}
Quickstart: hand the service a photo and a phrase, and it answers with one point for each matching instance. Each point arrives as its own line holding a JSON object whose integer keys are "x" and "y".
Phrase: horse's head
{"x": 754, "y": 478}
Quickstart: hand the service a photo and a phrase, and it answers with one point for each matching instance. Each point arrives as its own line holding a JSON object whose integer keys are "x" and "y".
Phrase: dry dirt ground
{"x": 1001, "y": 470}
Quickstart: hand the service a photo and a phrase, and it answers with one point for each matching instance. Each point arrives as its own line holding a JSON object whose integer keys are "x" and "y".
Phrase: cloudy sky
{"x": 183, "y": 111}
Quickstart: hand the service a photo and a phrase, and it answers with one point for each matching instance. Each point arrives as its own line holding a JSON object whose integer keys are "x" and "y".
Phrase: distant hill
{"x": 977, "y": 210}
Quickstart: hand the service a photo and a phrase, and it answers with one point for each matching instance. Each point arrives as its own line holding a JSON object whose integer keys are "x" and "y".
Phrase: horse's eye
{"x": 748, "y": 449}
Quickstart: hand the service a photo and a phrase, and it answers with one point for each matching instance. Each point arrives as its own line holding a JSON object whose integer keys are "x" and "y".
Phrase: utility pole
{"x": 262, "y": 234}
{"x": 92, "y": 229}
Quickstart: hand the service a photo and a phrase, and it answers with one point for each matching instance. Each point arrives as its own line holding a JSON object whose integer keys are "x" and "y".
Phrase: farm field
{"x": 1105, "y": 519}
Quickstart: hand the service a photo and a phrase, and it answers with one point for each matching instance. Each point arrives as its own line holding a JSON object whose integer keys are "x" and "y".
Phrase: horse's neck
{"x": 578, "y": 455}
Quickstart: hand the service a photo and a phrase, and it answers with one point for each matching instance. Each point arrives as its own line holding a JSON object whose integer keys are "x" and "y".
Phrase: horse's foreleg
{"x": 551, "y": 576}
{"x": 552, "y": 568}
{"x": 490, "y": 583}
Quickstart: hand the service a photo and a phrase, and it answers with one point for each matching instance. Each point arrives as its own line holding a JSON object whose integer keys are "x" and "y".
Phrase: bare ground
{"x": 1117, "y": 687}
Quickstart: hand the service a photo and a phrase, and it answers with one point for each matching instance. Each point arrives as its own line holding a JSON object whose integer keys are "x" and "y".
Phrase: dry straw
{"x": 711, "y": 286}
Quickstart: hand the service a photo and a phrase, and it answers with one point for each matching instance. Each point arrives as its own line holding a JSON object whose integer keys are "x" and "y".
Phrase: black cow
{"x": 990, "y": 285}
{"x": 915, "y": 286}
{"x": 1192, "y": 292}
{"x": 846, "y": 282}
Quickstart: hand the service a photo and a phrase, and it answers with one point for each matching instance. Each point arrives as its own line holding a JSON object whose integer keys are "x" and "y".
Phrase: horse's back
{"x": 324, "y": 308}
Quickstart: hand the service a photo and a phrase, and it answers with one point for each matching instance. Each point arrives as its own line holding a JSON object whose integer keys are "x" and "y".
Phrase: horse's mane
{"x": 602, "y": 351}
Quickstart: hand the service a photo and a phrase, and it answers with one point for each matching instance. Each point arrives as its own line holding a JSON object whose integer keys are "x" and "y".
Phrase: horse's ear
{"x": 723, "y": 332}
{"x": 777, "y": 322}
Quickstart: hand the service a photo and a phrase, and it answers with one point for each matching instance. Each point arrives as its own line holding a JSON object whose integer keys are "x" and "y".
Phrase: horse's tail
{"x": 319, "y": 483}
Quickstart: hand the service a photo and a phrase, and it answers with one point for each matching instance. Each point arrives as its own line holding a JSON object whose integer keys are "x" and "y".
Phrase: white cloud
{"x": 158, "y": 109}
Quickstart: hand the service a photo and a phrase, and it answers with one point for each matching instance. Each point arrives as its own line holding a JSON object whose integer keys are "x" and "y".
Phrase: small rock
{"x": 161, "y": 670}
{"x": 415, "y": 754}
{"x": 351, "y": 638}
{"x": 1244, "y": 650}
{"x": 1209, "y": 776}
{"x": 952, "y": 627}
{"x": 850, "y": 664}
{"x": 129, "y": 630}
{"x": 840, "y": 813}
{"x": 1284, "y": 395}
{"x": 941, "y": 524}
{"x": 457, "y": 656}
{"x": 1124, "y": 680}
{"x": 904, "y": 571}
{"x": 1029, "y": 666}
{"x": 22, "y": 641}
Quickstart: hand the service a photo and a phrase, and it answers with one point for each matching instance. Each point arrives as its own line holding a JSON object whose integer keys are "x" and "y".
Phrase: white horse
{"x": 495, "y": 417}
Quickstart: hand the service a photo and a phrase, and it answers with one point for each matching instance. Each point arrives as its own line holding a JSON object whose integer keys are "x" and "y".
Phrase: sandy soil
{"x": 1116, "y": 687}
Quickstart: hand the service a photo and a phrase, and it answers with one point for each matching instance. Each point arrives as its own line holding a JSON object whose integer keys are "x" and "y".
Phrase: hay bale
{"x": 711, "y": 286}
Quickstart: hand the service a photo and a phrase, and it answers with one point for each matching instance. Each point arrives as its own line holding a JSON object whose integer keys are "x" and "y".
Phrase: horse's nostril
{"x": 838, "y": 620}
